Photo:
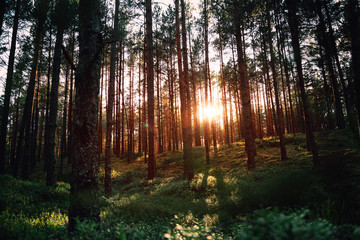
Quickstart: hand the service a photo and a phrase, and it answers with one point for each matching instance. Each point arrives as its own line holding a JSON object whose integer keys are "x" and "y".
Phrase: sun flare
{"x": 210, "y": 112}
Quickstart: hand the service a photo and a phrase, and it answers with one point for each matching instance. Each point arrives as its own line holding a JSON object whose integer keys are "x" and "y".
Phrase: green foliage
{"x": 30, "y": 197}
{"x": 272, "y": 224}
{"x": 31, "y": 210}
{"x": 51, "y": 225}
{"x": 221, "y": 202}
{"x": 190, "y": 227}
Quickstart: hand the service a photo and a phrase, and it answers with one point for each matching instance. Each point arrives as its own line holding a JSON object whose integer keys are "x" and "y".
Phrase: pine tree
{"x": 84, "y": 153}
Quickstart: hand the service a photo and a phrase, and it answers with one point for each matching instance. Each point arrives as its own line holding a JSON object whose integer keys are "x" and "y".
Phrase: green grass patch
{"x": 296, "y": 201}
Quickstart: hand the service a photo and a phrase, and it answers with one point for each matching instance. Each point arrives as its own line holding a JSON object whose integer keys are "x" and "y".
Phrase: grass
{"x": 222, "y": 201}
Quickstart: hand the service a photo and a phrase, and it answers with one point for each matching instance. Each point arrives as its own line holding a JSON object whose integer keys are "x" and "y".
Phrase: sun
{"x": 210, "y": 112}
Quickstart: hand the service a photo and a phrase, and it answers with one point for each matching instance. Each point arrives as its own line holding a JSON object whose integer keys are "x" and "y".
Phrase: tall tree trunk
{"x": 186, "y": 103}
{"x": 226, "y": 122}
{"x": 194, "y": 103}
{"x": 232, "y": 132}
{"x": 158, "y": 102}
{"x": 340, "y": 121}
{"x": 286, "y": 70}
{"x": 14, "y": 135}
{"x": 48, "y": 76}
{"x": 123, "y": 102}
{"x": 100, "y": 129}
{"x": 9, "y": 80}
{"x": 39, "y": 149}
{"x": 269, "y": 92}
{"x": 172, "y": 107}
{"x": 50, "y": 144}
{"x": 139, "y": 107}
{"x": 110, "y": 103}
{"x": 282, "y": 69}
{"x": 206, "y": 75}
{"x": 353, "y": 19}
{"x": 330, "y": 121}
{"x": 150, "y": 89}
{"x": 24, "y": 154}
{"x": 118, "y": 104}
{"x": 63, "y": 145}
{"x": 279, "y": 116}
{"x": 144, "y": 126}
{"x": 349, "y": 104}
{"x": 294, "y": 29}
{"x": 71, "y": 102}
{"x": 35, "y": 123}
{"x": 84, "y": 153}
{"x": 250, "y": 146}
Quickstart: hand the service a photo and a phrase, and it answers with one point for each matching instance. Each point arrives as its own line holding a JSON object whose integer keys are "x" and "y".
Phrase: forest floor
{"x": 278, "y": 200}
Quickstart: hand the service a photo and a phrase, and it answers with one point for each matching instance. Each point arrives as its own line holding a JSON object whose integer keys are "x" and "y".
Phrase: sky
{"x": 214, "y": 65}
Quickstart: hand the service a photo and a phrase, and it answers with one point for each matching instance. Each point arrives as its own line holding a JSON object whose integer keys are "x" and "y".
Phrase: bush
{"x": 273, "y": 224}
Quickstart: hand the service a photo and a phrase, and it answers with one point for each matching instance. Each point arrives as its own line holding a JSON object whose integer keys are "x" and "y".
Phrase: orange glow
{"x": 210, "y": 112}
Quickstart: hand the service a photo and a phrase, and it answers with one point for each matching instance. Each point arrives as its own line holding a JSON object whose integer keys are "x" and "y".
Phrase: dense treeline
{"x": 127, "y": 78}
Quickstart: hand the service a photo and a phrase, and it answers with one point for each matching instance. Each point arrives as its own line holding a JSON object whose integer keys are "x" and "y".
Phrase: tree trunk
{"x": 330, "y": 121}
{"x": 226, "y": 122}
{"x": 349, "y": 104}
{"x": 110, "y": 103}
{"x": 158, "y": 101}
{"x": 84, "y": 153}
{"x": 353, "y": 19}
{"x": 144, "y": 115}
{"x": 63, "y": 150}
{"x": 24, "y": 154}
{"x": 150, "y": 90}
{"x": 139, "y": 107}
{"x": 324, "y": 41}
{"x": 71, "y": 102}
{"x": 294, "y": 29}
{"x": 206, "y": 75}
{"x": 286, "y": 70}
{"x": 35, "y": 123}
{"x": 279, "y": 116}
{"x": 194, "y": 102}
{"x": 40, "y": 149}
{"x": 50, "y": 144}
{"x": 9, "y": 80}
{"x": 14, "y": 135}
{"x": 186, "y": 121}
{"x": 248, "y": 127}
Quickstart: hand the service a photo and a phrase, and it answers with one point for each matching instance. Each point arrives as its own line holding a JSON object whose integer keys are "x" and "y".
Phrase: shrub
{"x": 272, "y": 224}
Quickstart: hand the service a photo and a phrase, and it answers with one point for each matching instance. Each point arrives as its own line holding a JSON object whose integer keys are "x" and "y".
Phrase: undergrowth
{"x": 277, "y": 200}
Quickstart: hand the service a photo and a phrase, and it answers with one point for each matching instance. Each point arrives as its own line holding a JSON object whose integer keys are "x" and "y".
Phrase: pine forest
{"x": 174, "y": 119}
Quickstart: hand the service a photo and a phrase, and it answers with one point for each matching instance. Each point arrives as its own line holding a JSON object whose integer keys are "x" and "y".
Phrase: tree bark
{"x": 206, "y": 75}
{"x": 223, "y": 85}
{"x": 150, "y": 90}
{"x": 9, "y": 81}
{"x": 324, "y": 41}
{"x": 25, "y": 127}
{"x": 279, "y": 116}
{"x": 110, "y": 103}
{"x": 248, "y": 127}
{"x": 185, "y": 100}
{"x": 353, "y": 19}
{"x": 294, "y": 29}
{"x": 84, "y": 153}
{"x": 71, "y": 101}
{"x": 194, "y": 102}
{"x": 50, "y": 144}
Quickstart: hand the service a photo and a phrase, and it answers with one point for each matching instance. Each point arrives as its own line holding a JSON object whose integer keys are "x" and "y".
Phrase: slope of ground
{"x": 222, "y": 201}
